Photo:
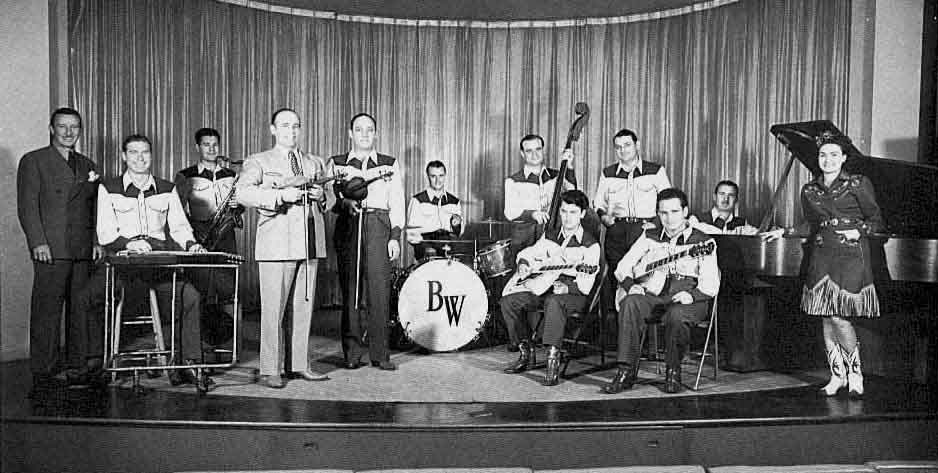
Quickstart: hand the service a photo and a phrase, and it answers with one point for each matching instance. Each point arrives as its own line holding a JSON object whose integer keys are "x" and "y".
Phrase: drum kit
{"x": 442, "y": 301}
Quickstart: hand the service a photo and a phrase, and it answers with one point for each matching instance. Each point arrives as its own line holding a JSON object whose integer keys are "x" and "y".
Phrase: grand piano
{"x": 905, "y": 257}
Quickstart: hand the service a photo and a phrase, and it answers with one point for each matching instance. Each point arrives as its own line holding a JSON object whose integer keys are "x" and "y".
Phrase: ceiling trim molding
{"x": 331, "y": 15}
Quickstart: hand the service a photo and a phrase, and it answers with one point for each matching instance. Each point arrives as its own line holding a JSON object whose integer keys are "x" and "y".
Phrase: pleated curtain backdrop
{"x": 700, "y": 88}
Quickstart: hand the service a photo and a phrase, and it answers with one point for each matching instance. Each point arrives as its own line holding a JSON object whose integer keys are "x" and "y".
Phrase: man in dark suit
{"x": 56, "y": 191}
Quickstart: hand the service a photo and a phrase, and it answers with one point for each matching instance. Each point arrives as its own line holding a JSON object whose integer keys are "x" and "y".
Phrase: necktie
{"x": 295, "y": 165}
{"x": 72, "y": 161}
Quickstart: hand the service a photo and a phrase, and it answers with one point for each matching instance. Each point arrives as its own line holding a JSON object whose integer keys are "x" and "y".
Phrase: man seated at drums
{"x": 724, "y": 218}
{"x": 557, "y": 291}
{"x": 433, "y": 214}
{"x": 139, "y": 213}
{"x": 682, "y": 286}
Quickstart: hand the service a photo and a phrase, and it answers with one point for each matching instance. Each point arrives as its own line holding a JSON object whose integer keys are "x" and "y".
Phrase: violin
{"x": 356, "y": 188}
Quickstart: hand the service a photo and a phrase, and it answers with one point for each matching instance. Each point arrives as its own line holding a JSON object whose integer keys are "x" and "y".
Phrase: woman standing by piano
{"x": 841, "y": 211}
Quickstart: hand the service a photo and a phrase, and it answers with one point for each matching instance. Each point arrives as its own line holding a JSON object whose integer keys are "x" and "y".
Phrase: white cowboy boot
{"x": 854, "y": 370}
{"x": 838, "y": 372}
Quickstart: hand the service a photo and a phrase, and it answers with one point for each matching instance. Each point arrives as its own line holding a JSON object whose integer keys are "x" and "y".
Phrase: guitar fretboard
{"x": 669, "y": 259}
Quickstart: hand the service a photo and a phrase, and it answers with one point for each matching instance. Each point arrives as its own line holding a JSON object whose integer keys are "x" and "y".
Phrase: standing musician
{"x": 568, "y": 244}
{"x": 433, "y": 214}
{"x": 139, "y": 213}
{"x": 528, "y": 192}
{"x": 206, "y": 191}
{"x": 625, "y": 196}
{"x": 55, "y": 190}
{"x": 723, "y": 218}
{"x": 290, "y": 242}
{"x": 370, "y": 210}
{"x": 689, "y": 284}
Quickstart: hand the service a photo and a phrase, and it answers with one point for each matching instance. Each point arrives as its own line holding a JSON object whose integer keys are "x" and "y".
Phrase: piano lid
{"x": 906, "y": 192}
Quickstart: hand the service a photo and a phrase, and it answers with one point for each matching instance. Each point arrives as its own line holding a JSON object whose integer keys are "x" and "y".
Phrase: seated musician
{"x": 139, "y": 213}
{"x": 206, "y": 192}
{"x": 528, "y": 192}
{"x": 724, "y": 218}
{"x": 433, "y": 214}
{"x": 682, "y": 288}
{"x": 557, "y": 293}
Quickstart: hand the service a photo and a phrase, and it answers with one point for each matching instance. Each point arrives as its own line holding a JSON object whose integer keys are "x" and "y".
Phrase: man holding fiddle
{"x": 290, "y": 241}
{"x": 433, "y": 214}
{"x": 370, "y": 210}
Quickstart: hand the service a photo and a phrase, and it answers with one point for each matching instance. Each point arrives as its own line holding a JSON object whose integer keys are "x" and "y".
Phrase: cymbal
{"x": 492, "y": 221}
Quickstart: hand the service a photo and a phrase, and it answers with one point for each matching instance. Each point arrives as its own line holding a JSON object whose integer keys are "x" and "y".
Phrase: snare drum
{"x": 493, "y": 259}
{"x": 442, "y": 305}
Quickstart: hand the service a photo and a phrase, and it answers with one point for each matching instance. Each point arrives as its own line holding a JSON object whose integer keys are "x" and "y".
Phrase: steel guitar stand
{"x": 176, "y": 262}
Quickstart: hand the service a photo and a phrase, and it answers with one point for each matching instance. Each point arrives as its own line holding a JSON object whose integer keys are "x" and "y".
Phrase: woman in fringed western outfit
{"x": 841, "y": 211}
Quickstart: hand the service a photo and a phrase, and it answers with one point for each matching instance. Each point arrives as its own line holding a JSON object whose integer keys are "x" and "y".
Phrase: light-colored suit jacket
{"x": 280, "y": 226}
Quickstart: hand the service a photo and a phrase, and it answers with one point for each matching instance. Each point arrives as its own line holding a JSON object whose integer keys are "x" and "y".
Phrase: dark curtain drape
{"x": 701, "y": 89}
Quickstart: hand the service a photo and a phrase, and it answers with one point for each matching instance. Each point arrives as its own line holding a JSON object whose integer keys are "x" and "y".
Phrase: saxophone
{"x": 223, "y": 220}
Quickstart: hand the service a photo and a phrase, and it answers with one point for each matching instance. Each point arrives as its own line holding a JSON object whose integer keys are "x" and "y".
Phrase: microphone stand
{"x": 305, "y": 189}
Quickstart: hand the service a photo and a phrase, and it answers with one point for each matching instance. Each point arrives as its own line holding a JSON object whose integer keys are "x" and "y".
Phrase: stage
{"x": 368, "y": 418}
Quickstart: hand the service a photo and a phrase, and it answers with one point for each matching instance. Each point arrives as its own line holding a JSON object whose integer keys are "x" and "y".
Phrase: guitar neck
{"x": 663, "y": 261}
{"x": 555, "y": 267}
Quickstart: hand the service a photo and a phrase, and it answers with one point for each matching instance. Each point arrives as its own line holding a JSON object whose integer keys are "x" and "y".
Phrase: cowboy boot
{"x": 835, "y": 358}
{"x": 623, "y": 380}
{"x": 554, "y": 360}
{"x": 525, "y": 359}
{"x": 854, "y": 378}
{"x": 672, "y": 380}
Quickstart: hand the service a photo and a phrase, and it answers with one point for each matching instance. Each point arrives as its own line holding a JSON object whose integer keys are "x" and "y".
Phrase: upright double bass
{"x": 583, "y": 114}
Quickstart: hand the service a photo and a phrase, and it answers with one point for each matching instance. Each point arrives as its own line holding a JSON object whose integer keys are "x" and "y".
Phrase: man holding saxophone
{"x": 206, "y": 190}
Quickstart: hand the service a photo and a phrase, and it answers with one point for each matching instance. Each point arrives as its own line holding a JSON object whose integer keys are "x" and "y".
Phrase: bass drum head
{"x": 442, "y": 305}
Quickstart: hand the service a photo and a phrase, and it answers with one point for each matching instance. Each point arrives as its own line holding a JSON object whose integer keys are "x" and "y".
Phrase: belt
{"x": 371, "y": 210}
{"x": 834, "y": 222}
{"x": 680, "y": 277}
{"x": 633, "y": 219}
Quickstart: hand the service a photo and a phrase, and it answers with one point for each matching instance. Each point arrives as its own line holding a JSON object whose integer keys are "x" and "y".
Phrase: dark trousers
{"x": 54, "y": 285}
{"x": 619, "y": 238}
{"x": 635, "y": 311}
{"x": 517, "y": 310}
{"x": 135, "y": 283}
{"x": 374, "y": 284}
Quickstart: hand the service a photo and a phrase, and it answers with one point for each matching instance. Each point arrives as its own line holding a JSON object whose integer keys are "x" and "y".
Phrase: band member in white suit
{"x": 290, "y": 241}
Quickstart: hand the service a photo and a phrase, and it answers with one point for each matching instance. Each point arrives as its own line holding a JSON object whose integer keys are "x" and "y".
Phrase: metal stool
{"x": 158, "y": 352}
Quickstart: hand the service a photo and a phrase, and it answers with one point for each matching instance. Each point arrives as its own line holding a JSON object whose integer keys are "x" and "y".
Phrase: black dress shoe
{"x": 552, "y": 378}
{"x": 353, "y": 365}
{"x": 386, "y": 365}
{"x": 622, "y": 381}
{"x": 177, "y": 377}
{"x": 526, "y": 360}
{"x": 672, "y": 380}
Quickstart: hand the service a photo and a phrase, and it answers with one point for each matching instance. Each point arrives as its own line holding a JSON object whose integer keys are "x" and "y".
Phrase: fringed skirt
{"x": 839, "y": 281}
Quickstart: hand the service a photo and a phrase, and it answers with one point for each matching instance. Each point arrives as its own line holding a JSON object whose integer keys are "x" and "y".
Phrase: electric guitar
{"x": 542, "y": 277}
{"x": 651, "y": 273}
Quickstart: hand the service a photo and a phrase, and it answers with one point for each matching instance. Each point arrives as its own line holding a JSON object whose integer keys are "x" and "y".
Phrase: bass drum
{"x": 442, "y": 305}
